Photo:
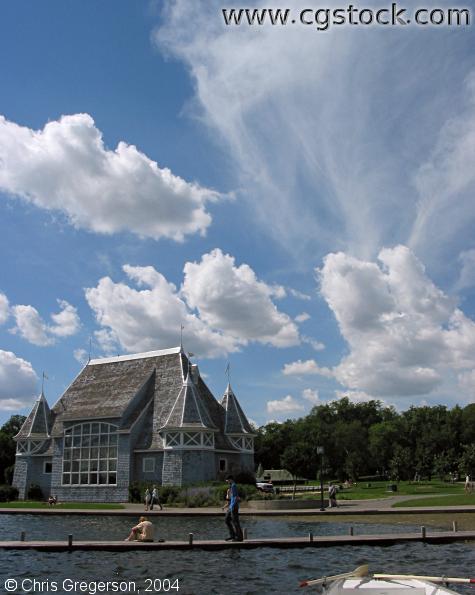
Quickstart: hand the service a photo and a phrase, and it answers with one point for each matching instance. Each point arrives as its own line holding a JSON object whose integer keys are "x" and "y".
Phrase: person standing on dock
{"x": 232, "y": 512}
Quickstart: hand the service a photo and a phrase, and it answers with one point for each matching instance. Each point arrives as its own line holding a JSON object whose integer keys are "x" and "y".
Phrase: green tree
{"x": 8, "y": 446}
{"x": 297, "y": 459}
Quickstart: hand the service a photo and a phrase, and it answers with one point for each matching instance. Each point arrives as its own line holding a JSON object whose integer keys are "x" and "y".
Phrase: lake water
{"x": 258, "y": 571}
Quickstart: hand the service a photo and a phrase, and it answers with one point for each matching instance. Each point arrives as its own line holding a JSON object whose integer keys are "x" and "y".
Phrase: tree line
{"x": 8, "y": 447}
{"x": 370, "y": 439}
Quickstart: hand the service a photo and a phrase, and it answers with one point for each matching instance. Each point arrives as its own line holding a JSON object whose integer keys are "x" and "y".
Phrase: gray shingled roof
{"x": 235, "y": 420}
{"x": 161, "y": 385}
{"x": 38, "y": 422}
{"x": 189, "y": 409}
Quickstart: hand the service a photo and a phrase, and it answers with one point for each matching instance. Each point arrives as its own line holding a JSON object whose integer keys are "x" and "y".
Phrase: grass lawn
{"x": 379, "y": 489}
{"x": 449, "y": 500}
{"x": 62, "y": 505}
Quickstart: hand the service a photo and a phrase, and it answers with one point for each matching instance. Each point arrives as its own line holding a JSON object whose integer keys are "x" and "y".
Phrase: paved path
{"x": 345, "y": 507}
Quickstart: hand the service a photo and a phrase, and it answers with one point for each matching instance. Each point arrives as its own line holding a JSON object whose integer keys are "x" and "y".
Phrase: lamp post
{"x": 320, "y": 451}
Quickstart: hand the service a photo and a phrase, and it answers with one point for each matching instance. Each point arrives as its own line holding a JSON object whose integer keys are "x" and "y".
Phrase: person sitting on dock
{"x": 141, "y": 532}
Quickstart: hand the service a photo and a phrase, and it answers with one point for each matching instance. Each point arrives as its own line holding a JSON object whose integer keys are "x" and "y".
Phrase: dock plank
{"x": 283, "y": 542}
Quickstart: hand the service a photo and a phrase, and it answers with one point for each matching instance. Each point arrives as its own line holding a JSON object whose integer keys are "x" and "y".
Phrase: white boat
{"x": 385, "y": 586}
{"x": 361, "y": 582}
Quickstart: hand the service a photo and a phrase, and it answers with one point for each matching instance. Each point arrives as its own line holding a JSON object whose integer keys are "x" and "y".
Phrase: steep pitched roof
{"x": 38, "y": 423}
{"x": 189, "y": 409}
{"x": 235, "y": 419}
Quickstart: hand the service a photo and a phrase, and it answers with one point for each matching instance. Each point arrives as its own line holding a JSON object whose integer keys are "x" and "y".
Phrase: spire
{"x": 235, "y": 421}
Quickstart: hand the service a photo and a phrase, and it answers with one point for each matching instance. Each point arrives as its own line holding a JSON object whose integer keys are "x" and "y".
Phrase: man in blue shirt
{"x": 232, "y": 512}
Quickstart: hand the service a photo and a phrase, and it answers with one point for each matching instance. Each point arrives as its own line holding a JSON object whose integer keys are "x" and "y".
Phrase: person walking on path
{"x": 232, "y": 512}
{"x": 468, "y": 484}
{"x": 147, "y": 499}
{"x": 143, "y": 531}
{"x": 332, "y": 495}
{"x": 155, "y": 499}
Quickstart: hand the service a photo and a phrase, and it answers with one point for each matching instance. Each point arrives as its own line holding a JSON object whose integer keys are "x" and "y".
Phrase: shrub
{"x": 136, "y": 489}
{"x": 8, "y": 493}
{"x": 35, "y": 492}
{"x": 169, "y": 494}
{"x": 245, "y": 477}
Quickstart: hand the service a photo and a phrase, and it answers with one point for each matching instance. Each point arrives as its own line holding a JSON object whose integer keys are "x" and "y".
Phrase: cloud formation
{"x": 311, "y": 143}
{"x": 31, "y": 326}
{"x": 232, "y": 299}
{"x": 232, "y": 309}
{"x": 4, "y": 308}
{"x": 18, "y": 382}
{"x": 66, "y": 167}
{"x": 285, "y": 405}
{"x": 404, "y": 334}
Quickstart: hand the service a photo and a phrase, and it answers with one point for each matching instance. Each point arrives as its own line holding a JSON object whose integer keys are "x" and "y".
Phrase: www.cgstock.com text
{"x": 324, "y": 18}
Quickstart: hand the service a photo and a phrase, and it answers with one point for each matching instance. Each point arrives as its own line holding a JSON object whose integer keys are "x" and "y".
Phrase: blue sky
{"x": 301, "y": 201}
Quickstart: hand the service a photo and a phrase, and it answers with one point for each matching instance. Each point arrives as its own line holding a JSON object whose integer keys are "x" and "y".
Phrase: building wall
{"x": 38, "y": 477}
{"x": 172, "y": 470}
{"x": 198, "y": 465}
{"x": 139, "y": 474}
{"x": 235, "y": 463}
{"x": 20, "y": 475}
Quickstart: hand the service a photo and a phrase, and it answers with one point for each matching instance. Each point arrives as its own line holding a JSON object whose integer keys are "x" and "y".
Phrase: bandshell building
{"x": 144, "y": 417}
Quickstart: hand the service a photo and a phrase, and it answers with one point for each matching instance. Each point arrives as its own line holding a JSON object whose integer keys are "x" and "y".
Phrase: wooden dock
{"x": 286, "y": 542}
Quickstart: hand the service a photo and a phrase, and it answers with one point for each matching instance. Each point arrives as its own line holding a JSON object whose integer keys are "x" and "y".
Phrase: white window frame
{"x": 90, "y": 455}
{"x": 148, "y": 461}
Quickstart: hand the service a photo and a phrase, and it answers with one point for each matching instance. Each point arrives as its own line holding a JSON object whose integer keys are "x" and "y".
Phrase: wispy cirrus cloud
{"x": 321, "y": 132}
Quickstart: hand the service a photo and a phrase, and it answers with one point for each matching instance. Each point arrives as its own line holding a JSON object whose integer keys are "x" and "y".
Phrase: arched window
{"x": 90, "y": 454}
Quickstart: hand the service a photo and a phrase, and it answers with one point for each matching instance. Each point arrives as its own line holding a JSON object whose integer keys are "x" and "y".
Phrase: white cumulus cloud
{"x": 285, "y": 405}
{"x": 232, "y": 299}
{"x": 66, "y": 167}
{"x": 18, "y": 382}
{"x": 405, "y": 336}
{"x": 305, "y": 368}
{"x": 311, "y": 396}
{"x": 31, "y": 326}
{"x": 4, "y": 308}
{"x": 149, "y": 318}
{"x": 222, "y": 307}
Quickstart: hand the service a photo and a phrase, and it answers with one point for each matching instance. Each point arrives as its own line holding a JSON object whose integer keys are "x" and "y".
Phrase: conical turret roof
{"x": 235, "y": 420}
{"x": 38, "y": 422}
{"x": 189, "y": 409}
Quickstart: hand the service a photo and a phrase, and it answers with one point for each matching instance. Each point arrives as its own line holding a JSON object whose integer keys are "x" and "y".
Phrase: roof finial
{"x": 181, "y": 336}
{"x": 228, "y": 373}
{"x": 43, "y": 383}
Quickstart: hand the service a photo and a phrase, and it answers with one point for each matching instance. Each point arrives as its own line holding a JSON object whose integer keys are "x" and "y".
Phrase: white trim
{"x": 124, "y": 358}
